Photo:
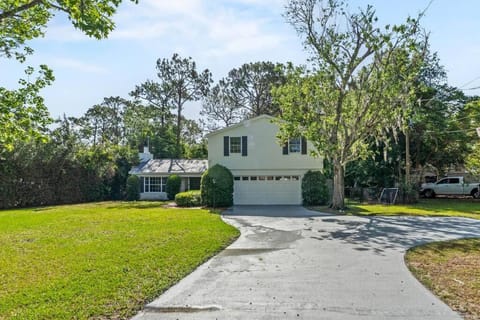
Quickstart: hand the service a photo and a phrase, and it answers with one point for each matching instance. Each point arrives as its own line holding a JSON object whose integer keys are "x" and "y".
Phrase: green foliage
{"x": 180, "y": 82}
{"x": 217, "y": 187}
{"x": 133, "y": 188}
{"x": 24, "y": 20}
{"x": 173, "y": 186}
{"x": 190, "y": 198}
{"x": 314, "y": 188}
{"x": 197, "y": 150}
{"x": 84, "y": 262}
{"x": 244, "y": 93}
{"x": 408, "y": 193}
{"x": 23, "y": 114}
{"x": 62, "y": 170}
{"x": 360, "y": 87}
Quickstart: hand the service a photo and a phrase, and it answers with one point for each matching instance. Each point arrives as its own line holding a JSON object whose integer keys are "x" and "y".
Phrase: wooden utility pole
{"x": 407, "y": 157}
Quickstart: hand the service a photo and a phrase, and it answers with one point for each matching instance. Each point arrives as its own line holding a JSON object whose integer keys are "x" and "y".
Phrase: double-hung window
{"x": 235, "y": 145}
{"x": 294, "y": 145}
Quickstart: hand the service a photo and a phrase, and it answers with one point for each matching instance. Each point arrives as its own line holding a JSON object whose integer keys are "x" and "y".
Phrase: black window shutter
{"x": 285, "y": 148}
{"x": 244, "y": 146}
{"x": 304, "y": 145}
{"x": 142, "y": 184}
{"x": 226, "y": 146}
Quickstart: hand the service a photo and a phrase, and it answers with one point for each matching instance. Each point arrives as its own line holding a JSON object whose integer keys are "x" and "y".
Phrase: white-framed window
{"x": 235, "y": 144}
{"x": 294, "y": 145}
{"x": 155, "y": 184}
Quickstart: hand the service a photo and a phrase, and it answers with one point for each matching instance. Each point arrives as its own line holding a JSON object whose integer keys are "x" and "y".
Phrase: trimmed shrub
{"x": 314, "y": 188}
{"x": 133, "y": 188}
{"x": 217, "y": 187}
{"x": 190, "y": 198}
{"x": 173, "y": 186}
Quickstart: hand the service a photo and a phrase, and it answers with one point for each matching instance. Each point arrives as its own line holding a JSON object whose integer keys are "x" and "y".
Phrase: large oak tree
{"x": 244, "y": 93}
{"x": 360, "y": 84}
{"x": 23, "y": 114}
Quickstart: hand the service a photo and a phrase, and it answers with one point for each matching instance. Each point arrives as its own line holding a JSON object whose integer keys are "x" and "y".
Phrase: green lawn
{"x": 100, "y": 260}
{"x": 451, "y": 269}
{"x": 425, "y": 207}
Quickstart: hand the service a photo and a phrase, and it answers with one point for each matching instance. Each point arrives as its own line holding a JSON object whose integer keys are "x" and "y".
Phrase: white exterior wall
{"x": 265, "y": 158}
{"x": 153, "y": 196}
{"x": 264, "y": 150}
{"x": 163, "y": 195}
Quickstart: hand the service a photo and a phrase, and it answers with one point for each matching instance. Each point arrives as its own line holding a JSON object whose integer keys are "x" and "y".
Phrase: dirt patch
{"x": 452, "y": 271}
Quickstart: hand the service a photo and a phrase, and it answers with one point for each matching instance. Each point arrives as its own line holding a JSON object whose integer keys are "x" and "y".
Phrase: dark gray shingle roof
{"x": 170, "y": 166}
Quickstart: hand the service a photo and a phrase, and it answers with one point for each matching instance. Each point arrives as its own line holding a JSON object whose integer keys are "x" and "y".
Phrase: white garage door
{"x": 261, "y": 190}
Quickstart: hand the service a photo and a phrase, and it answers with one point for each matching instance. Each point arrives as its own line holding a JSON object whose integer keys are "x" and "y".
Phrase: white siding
{"x": 264, "y": 150}
{"x": 265, "y": 158}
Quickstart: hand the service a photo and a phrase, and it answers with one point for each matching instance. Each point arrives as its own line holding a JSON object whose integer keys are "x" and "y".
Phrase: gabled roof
{"x": 171, "y": 166}
{"x": 260, "y": 117}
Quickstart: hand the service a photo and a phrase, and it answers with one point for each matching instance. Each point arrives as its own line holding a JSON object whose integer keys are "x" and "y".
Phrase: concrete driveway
{"x": 292, "y": 263}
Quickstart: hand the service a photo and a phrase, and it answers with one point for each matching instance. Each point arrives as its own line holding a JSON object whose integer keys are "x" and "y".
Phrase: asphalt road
{"x": 291, "y": 263}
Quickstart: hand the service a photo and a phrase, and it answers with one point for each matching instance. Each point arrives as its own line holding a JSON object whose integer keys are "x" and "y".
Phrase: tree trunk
{"x": 338, "y": 201}
{"x": 179, "y": 126}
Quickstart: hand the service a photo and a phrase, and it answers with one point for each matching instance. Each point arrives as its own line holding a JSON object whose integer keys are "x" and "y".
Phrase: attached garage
{"x": 267, "y": 190}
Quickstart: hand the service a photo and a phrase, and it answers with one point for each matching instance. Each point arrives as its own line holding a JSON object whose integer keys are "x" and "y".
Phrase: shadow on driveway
{"x": 397, "y": 233}
{"x": 284, "y": 211}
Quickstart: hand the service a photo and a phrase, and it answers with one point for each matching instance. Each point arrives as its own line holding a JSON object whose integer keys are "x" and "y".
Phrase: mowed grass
{"x": 452, "y": 271}
{"x": 100, "y": 260}
{"x": 467, "y": 208}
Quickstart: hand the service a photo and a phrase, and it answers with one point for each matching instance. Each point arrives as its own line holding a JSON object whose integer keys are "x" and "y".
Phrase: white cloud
{"x": 216, "y": 29}
{"x": 60, "y": 30}
{"x": 78, "y": 65}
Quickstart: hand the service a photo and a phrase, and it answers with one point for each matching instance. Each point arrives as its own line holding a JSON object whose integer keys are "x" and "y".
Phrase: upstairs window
{"x": 294, "y": 145}
{"x": 235, "y": 145}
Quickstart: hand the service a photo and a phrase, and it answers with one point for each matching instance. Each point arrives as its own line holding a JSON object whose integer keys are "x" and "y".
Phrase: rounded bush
{"x": 133, "y": 188}
{"x": 314, "y": 188}
{"x": 217, "y": 187}
{"x": 173, "y": 186}
{"x": 190, "y": 198}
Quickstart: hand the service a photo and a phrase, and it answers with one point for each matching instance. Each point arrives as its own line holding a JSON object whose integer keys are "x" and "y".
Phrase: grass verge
{"x": 425, "y": 207}
{"x": 100, "y": 260}
{"x": 451, "y": 270}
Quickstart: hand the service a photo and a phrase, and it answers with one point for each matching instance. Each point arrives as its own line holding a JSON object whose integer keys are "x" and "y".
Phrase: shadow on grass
{"x": 137, "y": 205}
{"x": 463, "y": 245}
{"x": 430, "y": 207}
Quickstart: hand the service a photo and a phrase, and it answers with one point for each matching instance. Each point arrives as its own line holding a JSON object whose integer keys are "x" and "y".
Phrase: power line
{"x": 451, "y": 131}
{"x": 469, "y": 82}
{"x": 474, "y": 88}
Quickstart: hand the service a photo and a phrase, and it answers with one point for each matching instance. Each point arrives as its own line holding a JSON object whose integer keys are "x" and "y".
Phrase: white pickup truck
{"x": 454, "y": 186}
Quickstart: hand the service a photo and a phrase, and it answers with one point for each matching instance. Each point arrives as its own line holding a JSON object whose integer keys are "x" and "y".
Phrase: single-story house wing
{"x": 153, "y": 174}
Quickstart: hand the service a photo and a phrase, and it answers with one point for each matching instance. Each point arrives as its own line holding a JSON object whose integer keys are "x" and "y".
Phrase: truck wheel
{"x": 429, "y": 194}
{"x": 475, "y": 194}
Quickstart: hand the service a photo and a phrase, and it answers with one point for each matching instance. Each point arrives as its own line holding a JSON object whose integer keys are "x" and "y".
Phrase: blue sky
{"x": 218, "y": 35}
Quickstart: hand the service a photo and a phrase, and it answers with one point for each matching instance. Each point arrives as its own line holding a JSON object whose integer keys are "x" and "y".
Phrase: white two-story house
{"x": 264, "y": 171}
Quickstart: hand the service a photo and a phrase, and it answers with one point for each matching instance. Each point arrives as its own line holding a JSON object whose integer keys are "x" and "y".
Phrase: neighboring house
{"x": 264, "y": 171}
{"x": 153, "y": 174}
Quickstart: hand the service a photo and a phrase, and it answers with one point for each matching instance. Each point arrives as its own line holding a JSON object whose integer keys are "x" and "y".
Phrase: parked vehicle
{"x": 455, "y": 186}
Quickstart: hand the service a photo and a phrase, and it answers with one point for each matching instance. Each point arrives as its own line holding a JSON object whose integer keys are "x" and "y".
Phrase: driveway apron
{"x": 292, "y": 263}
